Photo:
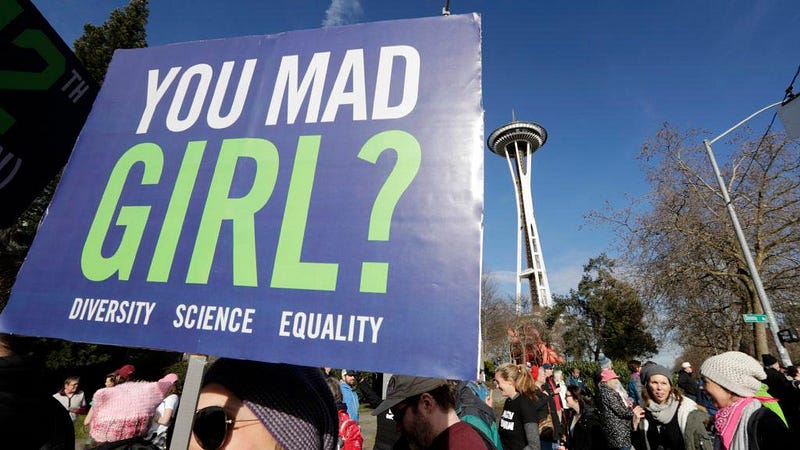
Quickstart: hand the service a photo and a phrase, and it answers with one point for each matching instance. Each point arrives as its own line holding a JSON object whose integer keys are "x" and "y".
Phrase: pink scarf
{"x": 728, "y": 417}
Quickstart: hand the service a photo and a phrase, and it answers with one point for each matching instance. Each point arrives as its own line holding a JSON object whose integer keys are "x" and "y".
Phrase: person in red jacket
{"x": 350, "y": 437}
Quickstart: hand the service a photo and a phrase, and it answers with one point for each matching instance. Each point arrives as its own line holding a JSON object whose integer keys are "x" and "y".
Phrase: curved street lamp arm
{"x": 711, "y": 142}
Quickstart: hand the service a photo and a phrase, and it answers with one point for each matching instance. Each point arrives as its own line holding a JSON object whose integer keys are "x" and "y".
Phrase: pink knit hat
{"x": 169, "y": 378}
{"x": 607, "y": 375}
{"x": 124, "y": 411}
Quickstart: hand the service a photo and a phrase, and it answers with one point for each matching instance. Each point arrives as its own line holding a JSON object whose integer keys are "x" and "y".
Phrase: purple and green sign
{"x": 311, "y": 197}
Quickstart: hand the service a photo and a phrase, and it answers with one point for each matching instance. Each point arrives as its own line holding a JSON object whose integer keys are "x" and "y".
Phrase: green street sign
{"x": 750, "y": 318}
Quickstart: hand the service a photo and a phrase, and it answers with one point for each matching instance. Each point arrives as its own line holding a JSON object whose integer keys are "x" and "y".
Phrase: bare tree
{"x": 496, "y": 314}
{"x": 683, "y": 245}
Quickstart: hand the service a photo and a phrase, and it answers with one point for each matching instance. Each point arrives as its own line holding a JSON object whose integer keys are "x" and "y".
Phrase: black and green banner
{"x": 45, "y": 96}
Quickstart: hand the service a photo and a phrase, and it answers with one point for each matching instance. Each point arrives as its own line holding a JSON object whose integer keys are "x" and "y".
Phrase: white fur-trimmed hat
{"x": 735, "y": 371}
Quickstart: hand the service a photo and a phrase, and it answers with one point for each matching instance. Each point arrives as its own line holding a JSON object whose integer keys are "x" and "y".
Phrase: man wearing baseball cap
{"x": 424, "y": 413}
{"x": 349, "y": 394}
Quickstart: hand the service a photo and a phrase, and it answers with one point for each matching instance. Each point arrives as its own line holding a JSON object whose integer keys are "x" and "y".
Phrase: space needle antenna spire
{"x": 516, "y": 142}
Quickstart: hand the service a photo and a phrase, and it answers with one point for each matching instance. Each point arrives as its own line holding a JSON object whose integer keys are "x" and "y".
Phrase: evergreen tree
{"x": 123, "y": 29}
{"x": 604, "y": 315}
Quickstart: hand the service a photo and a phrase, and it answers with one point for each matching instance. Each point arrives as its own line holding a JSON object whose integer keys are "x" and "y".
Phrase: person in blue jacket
{"x": 349, "y": 395}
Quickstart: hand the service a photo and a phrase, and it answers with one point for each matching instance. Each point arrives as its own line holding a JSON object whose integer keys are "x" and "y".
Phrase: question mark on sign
{"x": 374, "y": 275}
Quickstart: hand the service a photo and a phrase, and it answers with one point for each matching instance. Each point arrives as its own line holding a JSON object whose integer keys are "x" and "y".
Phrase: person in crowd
{"x": 782, "y": 389}
{"x": 561, "y": 385}
{"x": 114, "y": 378}
{"x": 686, "y": 381}
{"x": 349, "y": 432}
{"x": 72, "y": 398}
{"x": 732, "y": 379}
{"x": 575, "y": 378}
{"x": 546, "y": 407}
{"x": 259, "y": 405}
{"x": 124, "y": 373}
{"x": 549, "y": 385}
{"x": 791, "y": 373}
{"x": 29, "y": 413}
{"x": 482, "y": 391}
{"x": 635, "y": 381}
{"x": 537, "y": 375}
{"x": 665, "y": 419}
{"x": 704, "y": 400}
{"x": 770, "y": 402}
{"x": 165, "y": 413}
{"x": 424, "y": 411}
{"x": 472, "y": 409}
{"x": 519, "y": 421}
{"x": 364, "y": 383}
{"x": 349, "y": 394}
{"x": 583, "y": 430}
{"x": 614, "y": 408}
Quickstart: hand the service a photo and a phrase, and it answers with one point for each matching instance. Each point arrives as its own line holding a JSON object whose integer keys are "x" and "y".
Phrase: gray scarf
{"x": 663, "y": 412}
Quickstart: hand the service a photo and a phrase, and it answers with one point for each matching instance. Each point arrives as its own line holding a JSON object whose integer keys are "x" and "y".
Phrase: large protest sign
{"x": 45, "y": 96}
{"x": 312, "y": 197}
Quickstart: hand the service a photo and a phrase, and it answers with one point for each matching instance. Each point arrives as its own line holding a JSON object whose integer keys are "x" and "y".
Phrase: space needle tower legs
{"x": 516, "y": 142}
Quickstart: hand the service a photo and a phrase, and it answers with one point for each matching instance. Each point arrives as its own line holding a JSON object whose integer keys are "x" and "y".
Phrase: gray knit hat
{"x": 655, "y": 369}
{"x": 735, "y": 371}
{"x": 294, "y": 403}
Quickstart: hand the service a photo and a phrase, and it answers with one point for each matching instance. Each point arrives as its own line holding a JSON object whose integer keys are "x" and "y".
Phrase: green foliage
{"x": 16, "y": 240}
{"x": 604, "y": 315}
{"x": 125, "y": 28}
{"x": 488, "y": 368}
{"x": 58, "y": 354}
{"x": 589, "y": 369}
{"x": 81, "y": 431}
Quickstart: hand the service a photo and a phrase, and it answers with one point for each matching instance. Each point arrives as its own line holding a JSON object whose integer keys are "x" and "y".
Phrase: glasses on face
{"x": 211, "y": 427}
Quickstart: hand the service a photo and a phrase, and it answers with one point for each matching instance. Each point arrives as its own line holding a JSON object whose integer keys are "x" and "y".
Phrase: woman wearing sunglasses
{"x": 255, "y": 405}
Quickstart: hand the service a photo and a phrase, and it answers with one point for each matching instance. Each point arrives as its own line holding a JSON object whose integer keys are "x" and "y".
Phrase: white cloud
{"x": 342, "y": 12}
{"x": 565, "y": 277}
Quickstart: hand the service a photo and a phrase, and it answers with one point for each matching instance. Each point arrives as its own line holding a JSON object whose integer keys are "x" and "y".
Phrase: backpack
{"x": 349, "y": 433}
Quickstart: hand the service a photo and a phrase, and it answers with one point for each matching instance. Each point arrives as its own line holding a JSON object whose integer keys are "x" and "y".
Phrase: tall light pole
{"x": 748, "y": 257}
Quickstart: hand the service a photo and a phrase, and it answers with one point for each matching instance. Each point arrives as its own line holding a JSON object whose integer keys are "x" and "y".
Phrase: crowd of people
{"x": 736, "y": 403}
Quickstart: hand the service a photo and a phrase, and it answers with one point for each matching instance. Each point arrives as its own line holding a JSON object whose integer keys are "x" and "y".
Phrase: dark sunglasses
{"x": 211, "y": 427}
